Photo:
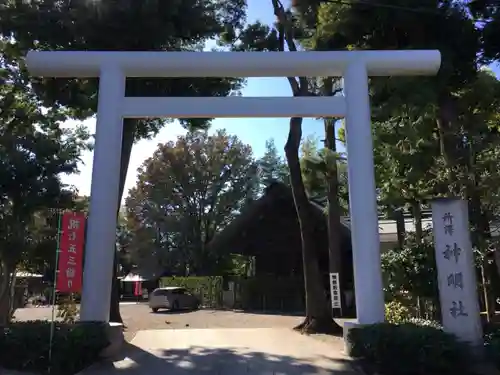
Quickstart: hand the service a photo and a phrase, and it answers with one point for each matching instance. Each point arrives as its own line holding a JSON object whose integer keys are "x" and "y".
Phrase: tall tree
{"x": 374, "y": 26}
{"x": 430, "y": 106}
{"x": 34, "y": 151}
{"x": 437, "y": 126}
{"x": 272, "y": 167}
{"x": 186, "y": 192}
{"x": 325, "y": 176}
{"x": 124, "y": 240}
{"x": 128, "y": 25}
{"x": 313, "y": 167}
{"x": 283, "y": 36}
{"x": 314, "y": 36}
{"x": 318, "y": 165}
{"x": 487, "y": 14}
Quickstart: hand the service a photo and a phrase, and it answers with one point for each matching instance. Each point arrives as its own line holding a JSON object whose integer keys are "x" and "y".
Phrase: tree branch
{"x": 285, "y": 34}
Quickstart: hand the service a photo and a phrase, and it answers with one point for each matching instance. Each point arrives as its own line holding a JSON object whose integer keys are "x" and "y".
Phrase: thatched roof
{"x": 273, "y": 213}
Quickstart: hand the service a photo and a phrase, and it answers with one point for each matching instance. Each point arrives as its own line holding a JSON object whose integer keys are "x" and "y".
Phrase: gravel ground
{"x": 139, "y": 317}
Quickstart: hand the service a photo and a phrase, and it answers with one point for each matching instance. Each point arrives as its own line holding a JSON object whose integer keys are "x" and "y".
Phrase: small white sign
{"x": 456, "y": 270}
{"x": 335, "y": 290}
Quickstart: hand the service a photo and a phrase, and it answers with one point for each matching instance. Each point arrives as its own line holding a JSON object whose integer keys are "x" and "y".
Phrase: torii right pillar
{"x": 363, "y": 197}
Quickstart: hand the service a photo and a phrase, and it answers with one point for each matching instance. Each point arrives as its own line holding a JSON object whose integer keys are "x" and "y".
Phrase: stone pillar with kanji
{"x": 456, "y": 270}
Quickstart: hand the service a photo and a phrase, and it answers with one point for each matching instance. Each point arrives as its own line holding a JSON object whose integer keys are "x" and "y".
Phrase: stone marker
{"x": 456, "y": 270}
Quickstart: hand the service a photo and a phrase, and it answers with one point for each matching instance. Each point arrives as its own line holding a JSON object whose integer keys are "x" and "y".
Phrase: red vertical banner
{"x": 138, "y": 288}
{"x": 70, "y": 265}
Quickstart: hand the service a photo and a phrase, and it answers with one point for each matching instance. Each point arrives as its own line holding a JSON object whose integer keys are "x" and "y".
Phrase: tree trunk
{"x": 447, "y": 140}
{"x": 129, "y": 128}
{"x": 417, "y": 216}
{"x": 416, "y": 210}
{"x": 334, "y": 228}
{"x": 5, "y": 311}
{"x": 480, "y": 236}
{"x": 399, "y": 217}
{"x": 6, "y": 270}
{"x": 496, "y": 255}
{"x": 114, "y": 306}
{"x": 486, "y": 294}
{"x": 318, "y": 318}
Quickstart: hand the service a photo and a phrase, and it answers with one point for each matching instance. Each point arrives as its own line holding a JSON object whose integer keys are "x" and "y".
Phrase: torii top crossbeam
{"x": 232, "y": 64}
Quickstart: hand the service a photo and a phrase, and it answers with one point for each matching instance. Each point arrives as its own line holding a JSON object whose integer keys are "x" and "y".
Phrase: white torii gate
{"x": 114, "y": 67}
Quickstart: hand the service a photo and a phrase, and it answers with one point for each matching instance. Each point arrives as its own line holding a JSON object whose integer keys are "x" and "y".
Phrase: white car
{"x": 172, "y": 298}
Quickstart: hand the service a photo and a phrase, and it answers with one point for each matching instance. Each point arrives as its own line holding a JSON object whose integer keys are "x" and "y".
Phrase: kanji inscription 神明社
{"x": 456, "y": 272}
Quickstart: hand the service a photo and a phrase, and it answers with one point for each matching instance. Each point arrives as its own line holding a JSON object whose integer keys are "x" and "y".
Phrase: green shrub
{"x": 207, "y": 288}
{"x": 396, "y": 312}
{"x": 492, "y": 344}
{"x": 424, "y": 323}
{"x": 67, "y": 309}
{"x": 24, "y": 346}
{"x": 408, "y": 349}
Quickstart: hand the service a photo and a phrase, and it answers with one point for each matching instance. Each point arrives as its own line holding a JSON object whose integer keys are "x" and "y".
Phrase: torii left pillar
{"x": 101, "y": 232}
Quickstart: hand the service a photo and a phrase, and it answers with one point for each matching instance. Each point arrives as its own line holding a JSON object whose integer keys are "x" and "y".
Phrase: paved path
{"x": 262, "y": 351}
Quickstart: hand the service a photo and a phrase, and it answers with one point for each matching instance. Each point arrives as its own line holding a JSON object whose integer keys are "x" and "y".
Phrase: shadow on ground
{"x": 269, "y": 312}
{"x": 216, "y": 361}
{"x": 174, "y": 312}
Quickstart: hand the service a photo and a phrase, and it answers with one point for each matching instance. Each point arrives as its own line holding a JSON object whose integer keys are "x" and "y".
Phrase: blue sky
{"x": 251, "y": 131}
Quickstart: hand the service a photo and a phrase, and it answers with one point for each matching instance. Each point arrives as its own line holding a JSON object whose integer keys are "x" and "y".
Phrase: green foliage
{"x": 411, "y": 270}
{"x": 122, "y": 26}
{"x": 492, "y": 344}
{"x": 396, "y": 312}
{"x": 399, "y": 313}
{"x": 410, "y": 166}
{"x": 363, "y": 26}
{"x": 34, "y": 151}
{"x": 314, "y": 168}
{"x": 124, "y": 238}
{"x": 318, "y": 166}
{"x": 67, "y": 309}
{"x": 128, "y": 25}
{"x": 240, "y": 265}
{"x": 488, "y": 15}
{"x": 424, "y": 323}
{"x": 405, "y": 159}
{"x": 272, "y": 167}
{"x": 25, "y": 346}
{"x": 186, "y": 192}
{"x": 207, "y": 288}
{"x": 432, "y": 136}
{"x": 408, "y": 349}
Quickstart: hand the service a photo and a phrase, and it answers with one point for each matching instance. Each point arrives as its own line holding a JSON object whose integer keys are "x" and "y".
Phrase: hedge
{"x": 492, "y": 343}
{"x": 409, "y": 349}
{"x": 25, "y": 346}
{"x": 207, "y": 288}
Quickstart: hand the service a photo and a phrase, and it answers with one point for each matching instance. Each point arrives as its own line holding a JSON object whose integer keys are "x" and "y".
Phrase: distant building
{"x": 268, "y": 231}
{"x": 388, "y": 230}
